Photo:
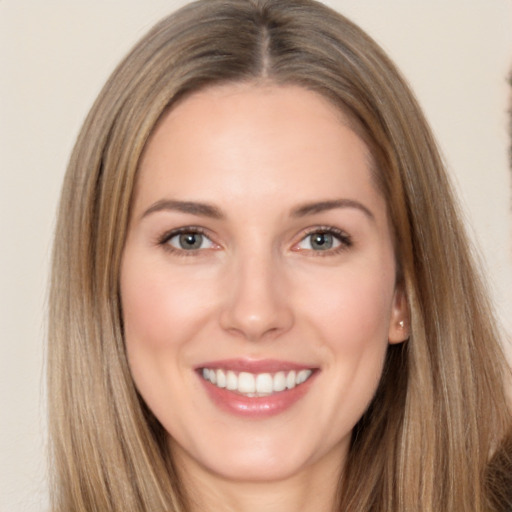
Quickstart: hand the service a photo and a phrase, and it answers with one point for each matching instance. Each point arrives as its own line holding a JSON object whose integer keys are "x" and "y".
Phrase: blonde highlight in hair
{"x": 440, "y": 411}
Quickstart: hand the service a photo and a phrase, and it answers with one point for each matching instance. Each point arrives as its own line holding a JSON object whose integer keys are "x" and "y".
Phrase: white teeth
{"x": 279, "y": 381}
{"x": 290, "y": 380}
{"x": 264, "y": 383}
{"x": 261, "y": 384}
{"x": 231, "y": 381}
{"x": 221, "y": 379}
{"x": 302, "y": 376}
{"x": 246, "y": 383}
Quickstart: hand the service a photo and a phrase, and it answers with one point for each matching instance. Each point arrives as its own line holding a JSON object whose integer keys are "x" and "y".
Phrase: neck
{"x": 313, "y": 489}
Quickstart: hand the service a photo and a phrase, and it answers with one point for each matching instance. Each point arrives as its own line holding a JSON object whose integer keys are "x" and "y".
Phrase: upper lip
{"x": 255, "y": 365}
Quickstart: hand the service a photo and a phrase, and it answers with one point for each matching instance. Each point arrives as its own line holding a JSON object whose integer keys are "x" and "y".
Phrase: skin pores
{"x": 258, "y": 245}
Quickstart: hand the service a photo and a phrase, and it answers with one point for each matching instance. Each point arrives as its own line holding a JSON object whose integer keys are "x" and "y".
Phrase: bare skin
{"x": 258, "y": 243}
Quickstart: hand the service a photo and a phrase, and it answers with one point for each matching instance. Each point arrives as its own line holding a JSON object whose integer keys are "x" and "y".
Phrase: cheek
{"x": 354, "y": 310}
{"x": 160, "y": 308}
{"x": 162, "y": 311}
{"x": 352, "y": 318}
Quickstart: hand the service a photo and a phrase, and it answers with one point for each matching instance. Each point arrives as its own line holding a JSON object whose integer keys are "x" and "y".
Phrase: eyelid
{"x": 163, "y": 240}
{"x": 344, "y": 239}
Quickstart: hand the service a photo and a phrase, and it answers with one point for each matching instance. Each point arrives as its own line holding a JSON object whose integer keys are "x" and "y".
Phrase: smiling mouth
{"x": 255, "y": 384}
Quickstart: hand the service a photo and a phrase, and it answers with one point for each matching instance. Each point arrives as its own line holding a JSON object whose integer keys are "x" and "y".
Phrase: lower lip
{"x": 256, "y": 407}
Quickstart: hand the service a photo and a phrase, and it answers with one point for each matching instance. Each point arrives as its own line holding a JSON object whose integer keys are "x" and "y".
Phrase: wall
{"x": 54, "y": 57}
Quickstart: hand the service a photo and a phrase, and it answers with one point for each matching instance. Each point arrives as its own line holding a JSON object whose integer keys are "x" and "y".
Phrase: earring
{"x": 401, "y": 324}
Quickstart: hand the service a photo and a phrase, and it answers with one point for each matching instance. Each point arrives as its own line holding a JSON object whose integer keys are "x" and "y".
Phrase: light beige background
{"x": 54, "y": 57}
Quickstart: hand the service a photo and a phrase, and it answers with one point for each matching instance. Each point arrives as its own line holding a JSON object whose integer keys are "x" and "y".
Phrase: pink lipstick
{"x": 255, "y": 389}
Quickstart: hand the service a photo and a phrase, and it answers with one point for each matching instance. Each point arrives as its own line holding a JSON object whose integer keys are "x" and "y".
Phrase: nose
{"x": 257, "y": 306}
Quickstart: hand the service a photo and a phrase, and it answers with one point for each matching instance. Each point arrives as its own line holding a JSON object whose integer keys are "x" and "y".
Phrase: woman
{"x": 262, "y": 296}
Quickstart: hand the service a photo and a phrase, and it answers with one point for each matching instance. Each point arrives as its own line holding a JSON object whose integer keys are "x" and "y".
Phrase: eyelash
{"x": 342, "y": 237}
{"x": 189, "y": 230}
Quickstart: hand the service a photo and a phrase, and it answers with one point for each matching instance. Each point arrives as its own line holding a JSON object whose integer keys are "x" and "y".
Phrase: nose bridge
{"x": 257, "y": 305}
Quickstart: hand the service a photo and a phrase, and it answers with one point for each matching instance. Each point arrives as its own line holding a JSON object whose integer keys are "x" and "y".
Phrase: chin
{"x": 256, "y": 459}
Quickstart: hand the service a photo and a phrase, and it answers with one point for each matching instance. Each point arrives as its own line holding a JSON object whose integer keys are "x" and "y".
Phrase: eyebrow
{"x": 322, "y": 206}
{"x": 191, "y": 207}
{"x": 209, "y": 210}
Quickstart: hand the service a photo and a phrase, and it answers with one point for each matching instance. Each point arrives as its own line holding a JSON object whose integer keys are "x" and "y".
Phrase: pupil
{"x": 321, "y": 241}
{"x": 191, "y": 241}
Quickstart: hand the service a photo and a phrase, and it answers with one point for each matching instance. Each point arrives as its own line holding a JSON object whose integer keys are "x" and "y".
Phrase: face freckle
{"x": 258, "y": 282}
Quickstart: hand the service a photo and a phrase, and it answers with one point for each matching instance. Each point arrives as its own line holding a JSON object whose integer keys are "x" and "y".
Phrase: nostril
{"x": 255, "y": 322}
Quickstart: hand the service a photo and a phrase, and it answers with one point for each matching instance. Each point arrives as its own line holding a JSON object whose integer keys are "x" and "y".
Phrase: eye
{"x": 323, "y": 240}
{"x": 187, "y": 240}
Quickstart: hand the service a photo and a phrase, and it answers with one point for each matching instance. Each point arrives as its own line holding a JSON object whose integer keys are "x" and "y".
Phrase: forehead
{"x": 269, "y": 140}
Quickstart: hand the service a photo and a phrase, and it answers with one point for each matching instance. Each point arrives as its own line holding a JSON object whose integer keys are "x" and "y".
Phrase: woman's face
{"x": 258, "y": 282}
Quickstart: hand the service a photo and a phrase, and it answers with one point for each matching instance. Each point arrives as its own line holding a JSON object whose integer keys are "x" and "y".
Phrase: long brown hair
{"x": 440, "y": 411}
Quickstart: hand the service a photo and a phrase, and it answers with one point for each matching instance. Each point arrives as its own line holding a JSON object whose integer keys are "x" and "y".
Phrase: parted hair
{"x": 435, "y": 435}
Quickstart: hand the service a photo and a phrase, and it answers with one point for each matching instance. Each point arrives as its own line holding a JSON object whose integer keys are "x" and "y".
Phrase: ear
{"x": 400, "y": 321}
